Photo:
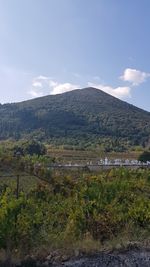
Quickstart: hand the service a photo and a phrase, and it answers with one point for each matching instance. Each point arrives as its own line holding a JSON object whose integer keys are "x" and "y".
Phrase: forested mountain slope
{"x": 87, "y": 115}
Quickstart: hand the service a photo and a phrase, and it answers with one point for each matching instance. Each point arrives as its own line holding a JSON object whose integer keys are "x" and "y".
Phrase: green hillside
{"x": 86, "y": 116}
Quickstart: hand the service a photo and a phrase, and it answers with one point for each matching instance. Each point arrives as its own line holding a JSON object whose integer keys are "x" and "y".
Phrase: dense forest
{"x": 78, "y": 118}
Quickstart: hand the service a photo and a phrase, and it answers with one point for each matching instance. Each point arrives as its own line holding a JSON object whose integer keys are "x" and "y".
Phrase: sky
{"x": 54, "y": 46}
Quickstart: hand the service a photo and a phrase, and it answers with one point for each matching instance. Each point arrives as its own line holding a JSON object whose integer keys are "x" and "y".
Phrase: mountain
{"x": 83, "y": 116}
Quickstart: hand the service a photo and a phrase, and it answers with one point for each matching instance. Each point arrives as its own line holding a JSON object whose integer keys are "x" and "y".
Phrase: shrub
{"x": 145, "y": 156}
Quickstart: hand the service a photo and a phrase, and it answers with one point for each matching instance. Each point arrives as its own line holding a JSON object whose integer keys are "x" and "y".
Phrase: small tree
{"x": 30, "y": 148}
{"x": 34, "y": 147}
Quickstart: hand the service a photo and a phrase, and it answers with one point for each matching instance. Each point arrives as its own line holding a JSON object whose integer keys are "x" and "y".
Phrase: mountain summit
{"x": 82, "y": 116}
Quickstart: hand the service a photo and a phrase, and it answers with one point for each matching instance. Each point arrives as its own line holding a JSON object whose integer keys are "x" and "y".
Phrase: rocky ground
{"x": 127, "y": 259}
{"x": 130, "y": 257}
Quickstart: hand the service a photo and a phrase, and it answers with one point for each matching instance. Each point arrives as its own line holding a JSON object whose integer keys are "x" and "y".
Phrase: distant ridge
{"x": 79, "y": 117}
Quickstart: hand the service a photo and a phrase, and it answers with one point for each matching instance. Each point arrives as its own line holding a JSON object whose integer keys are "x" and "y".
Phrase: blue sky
{"x": 53, "y": 46}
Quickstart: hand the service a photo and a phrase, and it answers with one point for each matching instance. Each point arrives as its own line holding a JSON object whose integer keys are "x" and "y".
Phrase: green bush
{"x": 30, "y": 148}
{"x": 145, "y": 156}
{"x": 66, "y": 210}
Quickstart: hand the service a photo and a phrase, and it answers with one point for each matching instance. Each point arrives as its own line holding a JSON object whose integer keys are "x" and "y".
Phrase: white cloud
{"x": 38, "y": 87}
{"x": 36, "y": 84}
{"x": 42, "y": 85}
{"x": 134, "y": 76}
{"x": 41, "y": 77}
{"x": 52, "y": 83}
{"x": 35, "y": 93}
{"x": 60, "y": 88}
{"x": 119, "y": 92}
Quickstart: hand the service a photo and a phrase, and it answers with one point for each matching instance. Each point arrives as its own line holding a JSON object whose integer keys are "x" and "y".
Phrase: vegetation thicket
{"x": 31, "y": 148}
{"x": 145, "y": 156}
{"x": 67, "y": 212}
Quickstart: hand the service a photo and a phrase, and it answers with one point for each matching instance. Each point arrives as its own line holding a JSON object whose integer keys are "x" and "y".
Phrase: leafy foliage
{"x": 20, "y": 222}
{"x": 31, "y": 148}
{"x": 66, "y": 210}
{"x": 145, "y": 156}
